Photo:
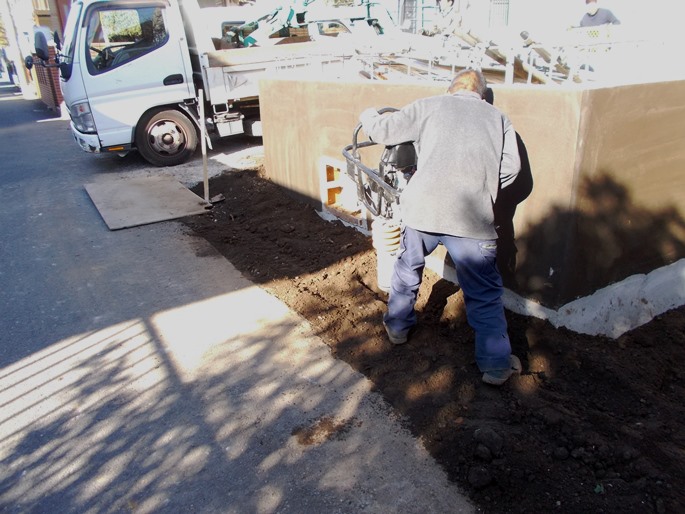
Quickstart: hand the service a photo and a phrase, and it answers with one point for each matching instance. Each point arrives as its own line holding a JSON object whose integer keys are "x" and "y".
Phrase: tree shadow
{"x": 112, "y": 422}
{"x": 606, "y": 238}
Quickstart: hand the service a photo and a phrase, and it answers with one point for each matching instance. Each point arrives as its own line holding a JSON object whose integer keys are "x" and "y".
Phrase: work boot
{"x": 498, "y": 377}
{"x": 396, "y": 337}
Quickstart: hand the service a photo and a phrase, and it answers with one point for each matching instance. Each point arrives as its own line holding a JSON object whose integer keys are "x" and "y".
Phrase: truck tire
{"x": 166, "y": 138}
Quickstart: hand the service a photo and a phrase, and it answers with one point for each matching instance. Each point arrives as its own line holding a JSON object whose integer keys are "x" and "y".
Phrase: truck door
{"x": 136, "y": 57}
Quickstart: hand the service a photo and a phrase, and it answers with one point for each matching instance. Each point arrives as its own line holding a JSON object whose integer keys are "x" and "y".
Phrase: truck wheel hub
{"x": 165, "y": 137}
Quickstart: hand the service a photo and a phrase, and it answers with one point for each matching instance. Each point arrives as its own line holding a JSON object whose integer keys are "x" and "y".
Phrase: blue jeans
{"x": 479, "y": 279}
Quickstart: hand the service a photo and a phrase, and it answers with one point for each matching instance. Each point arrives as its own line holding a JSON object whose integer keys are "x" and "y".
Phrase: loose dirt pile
{"x": 593, "y": 424}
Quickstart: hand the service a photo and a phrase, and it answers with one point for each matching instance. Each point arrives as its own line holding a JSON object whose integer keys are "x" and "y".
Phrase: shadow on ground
{"x": 592, "y": 425}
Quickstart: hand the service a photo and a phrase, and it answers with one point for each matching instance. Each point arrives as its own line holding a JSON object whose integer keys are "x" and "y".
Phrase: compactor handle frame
{"x": 357, "y": 169}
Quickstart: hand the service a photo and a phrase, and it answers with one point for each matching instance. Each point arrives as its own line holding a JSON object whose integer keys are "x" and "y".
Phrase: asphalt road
{"x": 140, "y": 372}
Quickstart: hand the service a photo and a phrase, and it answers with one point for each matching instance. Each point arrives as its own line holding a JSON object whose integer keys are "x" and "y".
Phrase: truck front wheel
{"x": 166, "y": 138}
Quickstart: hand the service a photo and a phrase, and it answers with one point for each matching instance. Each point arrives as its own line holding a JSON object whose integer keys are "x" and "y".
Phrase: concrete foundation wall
{"x": 607, "y": 168}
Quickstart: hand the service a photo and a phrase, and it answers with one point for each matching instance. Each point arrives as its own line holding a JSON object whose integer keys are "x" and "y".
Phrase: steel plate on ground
{"x": 125, "y": 203}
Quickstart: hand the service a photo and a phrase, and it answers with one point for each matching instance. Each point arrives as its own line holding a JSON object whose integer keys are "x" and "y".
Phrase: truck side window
{"x": 332, "y": 28}
{"x": 118, "y": 35}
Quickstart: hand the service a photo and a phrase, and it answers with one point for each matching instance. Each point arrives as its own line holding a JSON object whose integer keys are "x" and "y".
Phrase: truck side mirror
{"x": 28, "y": 62}
{"x": 58, "y": 42}
{"x": 41, "y": 44}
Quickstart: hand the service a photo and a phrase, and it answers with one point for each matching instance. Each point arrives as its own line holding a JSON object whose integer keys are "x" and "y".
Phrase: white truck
{"x": 131, "y": 71}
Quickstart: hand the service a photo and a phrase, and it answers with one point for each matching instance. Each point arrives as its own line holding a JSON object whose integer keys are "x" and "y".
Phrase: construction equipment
{"x": 298, "y": 18}
{"x": 555, "y": 62}
{"x": 379, "y": 189}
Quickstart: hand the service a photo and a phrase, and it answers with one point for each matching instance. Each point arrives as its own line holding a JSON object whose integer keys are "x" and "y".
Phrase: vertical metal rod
{"x": 509, "y": 67}
{"x": 203, "y": 134}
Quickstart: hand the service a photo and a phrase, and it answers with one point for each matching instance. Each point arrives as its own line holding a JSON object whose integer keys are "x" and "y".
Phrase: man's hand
{"x": 367, "y": 117}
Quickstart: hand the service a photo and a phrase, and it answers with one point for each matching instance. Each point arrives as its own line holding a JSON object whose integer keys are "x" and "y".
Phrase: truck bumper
{"x": 88, "y": 142}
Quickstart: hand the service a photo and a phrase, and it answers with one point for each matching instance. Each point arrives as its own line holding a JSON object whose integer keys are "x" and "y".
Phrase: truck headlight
{"x": 82, "y": 118}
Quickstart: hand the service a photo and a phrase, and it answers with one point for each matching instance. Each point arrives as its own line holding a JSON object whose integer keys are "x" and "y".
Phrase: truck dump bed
{"x": 233, "y": 74}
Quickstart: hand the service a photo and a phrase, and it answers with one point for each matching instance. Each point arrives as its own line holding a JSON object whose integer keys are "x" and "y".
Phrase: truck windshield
{"x": 67, "y": 54}
{"x": 117, "y": 35}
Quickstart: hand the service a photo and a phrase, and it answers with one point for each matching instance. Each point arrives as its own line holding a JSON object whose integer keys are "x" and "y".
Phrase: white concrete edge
{"x": 610, "y": 311}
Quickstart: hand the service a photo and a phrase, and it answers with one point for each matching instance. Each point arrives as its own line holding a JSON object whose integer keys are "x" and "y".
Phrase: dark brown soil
{"x": 592, "y": 425}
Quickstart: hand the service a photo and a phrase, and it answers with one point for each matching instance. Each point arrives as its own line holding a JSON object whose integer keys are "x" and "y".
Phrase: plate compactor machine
{"x": 379, "y": 190}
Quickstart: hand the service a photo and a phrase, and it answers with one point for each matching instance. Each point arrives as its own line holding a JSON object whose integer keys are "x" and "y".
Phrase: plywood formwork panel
{"x": 586, "y": 148}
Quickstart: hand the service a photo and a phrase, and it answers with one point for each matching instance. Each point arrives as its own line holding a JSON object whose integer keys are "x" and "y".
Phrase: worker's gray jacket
{"x": 466, "y": 148}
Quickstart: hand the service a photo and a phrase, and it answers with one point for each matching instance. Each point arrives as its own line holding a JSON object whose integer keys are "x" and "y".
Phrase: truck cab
{"x": 123, "y": 64}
